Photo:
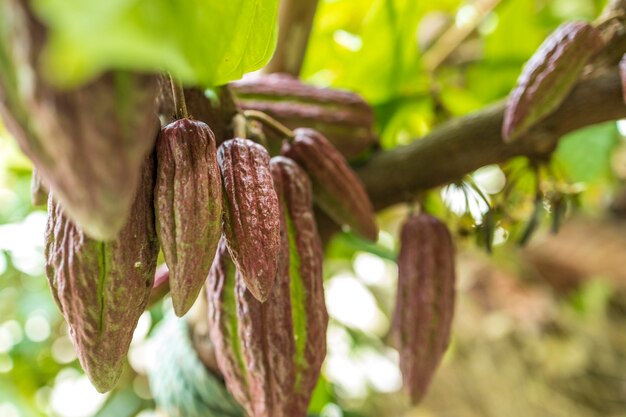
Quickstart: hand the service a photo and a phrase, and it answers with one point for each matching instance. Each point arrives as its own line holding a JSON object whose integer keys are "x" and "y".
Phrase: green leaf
{"x": 206, "y": 42}
{"x": 585, "y": 155}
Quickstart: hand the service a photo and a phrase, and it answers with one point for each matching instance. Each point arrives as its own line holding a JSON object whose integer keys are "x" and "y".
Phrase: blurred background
{"x": 539, "y": 330}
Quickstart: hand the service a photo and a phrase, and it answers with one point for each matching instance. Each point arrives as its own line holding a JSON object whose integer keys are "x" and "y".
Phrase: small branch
{"x": 295, "y": 23}
{"x": 270, "y": 122}
{"x": 455, "y": 35}
{"x": 463, "y": 145}
{"x": 180, "y": 105}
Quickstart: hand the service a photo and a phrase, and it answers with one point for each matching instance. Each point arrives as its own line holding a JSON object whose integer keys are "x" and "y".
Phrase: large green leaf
{"x": 206, "y": 42}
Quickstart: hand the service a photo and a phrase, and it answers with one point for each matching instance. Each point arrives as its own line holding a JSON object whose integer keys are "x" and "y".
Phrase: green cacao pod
{"x": 271, "y": 353}
{"x": 343, "y": 117}
{"x": 251, "y": 213}
{"x": 424, "y": 301}
{"x": 188, "y": 203}
{"x": 88, "y": 143}
{"x": 182, "y": 386}
{"x": 549, "y": 76}
{"x": 102, "y": 288}
{"x": 337, "y": 189}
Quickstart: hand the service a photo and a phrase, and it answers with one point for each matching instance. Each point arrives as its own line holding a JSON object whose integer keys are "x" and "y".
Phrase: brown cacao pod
{"x": 337, "y": 189}
{"x": 188, "y": 203}
{"x": 424, "y": 301}
{"x": 343, "y": 117}
{"x": 549, "y": 76}
{"x": 88, "y": 143}
{"x": 271, "y": 353}
{"x": 251, "y": 213}
{"x": 102, "y": 288}
{"x": 305, "y": 259}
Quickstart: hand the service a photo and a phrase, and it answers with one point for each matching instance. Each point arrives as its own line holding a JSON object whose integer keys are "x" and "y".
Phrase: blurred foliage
{"x": 520, "y": 348}
{"x": 201, "y": 42}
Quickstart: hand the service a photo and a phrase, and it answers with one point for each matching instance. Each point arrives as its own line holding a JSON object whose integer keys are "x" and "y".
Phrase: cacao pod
{"x": 251, "y": 213}
{"x": 271, "y": 353}
{"x": 305, "y": 258}
{"x": 424, "y": 301}
{"x": 343, "y": 117}
{"x": 549, "y": 76}
{"x": 337, "y": 189}
{"x": 102, "y": 288}
{"x": 88, "y": 143}
{"x": 188, "y": 203}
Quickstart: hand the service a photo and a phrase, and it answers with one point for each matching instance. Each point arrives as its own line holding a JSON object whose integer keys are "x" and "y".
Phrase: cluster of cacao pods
{"x": 549, "y": 76}
{"x": 267, "y": 311}
{"x": 230, "y": 218}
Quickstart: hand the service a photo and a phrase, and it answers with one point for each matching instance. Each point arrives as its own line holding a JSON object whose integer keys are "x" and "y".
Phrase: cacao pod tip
{"x": 103, "y": 378}
{"x": 182, "y": 303}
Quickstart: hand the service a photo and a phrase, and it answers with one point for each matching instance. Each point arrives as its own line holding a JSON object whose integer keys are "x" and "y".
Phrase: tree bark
{"x": 465, "y": 144}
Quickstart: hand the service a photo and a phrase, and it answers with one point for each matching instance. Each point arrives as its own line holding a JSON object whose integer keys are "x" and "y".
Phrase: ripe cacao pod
{"x": 251, "y": 213}
{"x": 271, "y": 353}
{"x": 424, "y": 301}
{"x": 549, "y": 76}
{"x": 102, "y": 288}
{"x": 343, "y": 117}
{"x": 305, "y": 259}
{"x": 337, "y": 189}
{"x": 188, "y": 205}
{"x": 88, "y": 143}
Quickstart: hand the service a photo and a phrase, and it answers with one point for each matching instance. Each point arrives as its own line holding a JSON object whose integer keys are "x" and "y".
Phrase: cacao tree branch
{"x": 468, "y": 143}
{"x": 295, "y": 23}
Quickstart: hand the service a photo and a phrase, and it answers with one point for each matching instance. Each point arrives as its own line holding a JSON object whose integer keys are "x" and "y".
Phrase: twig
{"x": 180, "y": 105}
{"x": 270, "y": 122}
{"x": 453, "y": 37}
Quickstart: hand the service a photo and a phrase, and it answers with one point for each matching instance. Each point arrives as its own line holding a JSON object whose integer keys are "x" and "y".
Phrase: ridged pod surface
{"x": 343, "y": 117}
{"x": 305, "y": 258}
{"x": 424, "y": 301}
{"x": 188, "y": 205}
{"x": 337, "y": 189}
{"x": 251, "y": 213}
{"x": 102, "y": 288}
{"x": 549, "y": 76}
{"x": 270, "y": 354}
{"x": 87, "y": 143}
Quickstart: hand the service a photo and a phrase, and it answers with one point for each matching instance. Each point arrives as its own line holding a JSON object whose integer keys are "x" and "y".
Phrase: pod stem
{"x": 270, "y": 122}
{"x": 239, "y": 126}
{"x": 180, "y": 105}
